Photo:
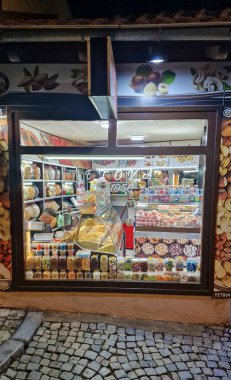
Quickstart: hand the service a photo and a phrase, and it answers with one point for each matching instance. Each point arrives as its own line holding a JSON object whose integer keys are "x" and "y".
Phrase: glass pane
{"x": 116, "y": 218}
{"x": 63, "y": 133}
{"x": 162, "y": 132}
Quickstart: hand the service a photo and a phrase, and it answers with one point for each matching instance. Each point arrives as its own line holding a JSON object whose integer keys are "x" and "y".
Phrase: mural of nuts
{"x": 80, "y": 80}
{"x": 37, "y": 81}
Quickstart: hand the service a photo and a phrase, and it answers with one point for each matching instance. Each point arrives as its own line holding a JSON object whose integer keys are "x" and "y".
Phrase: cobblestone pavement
{"x": 81, "y": 349}
{"x": 10, "y": 319}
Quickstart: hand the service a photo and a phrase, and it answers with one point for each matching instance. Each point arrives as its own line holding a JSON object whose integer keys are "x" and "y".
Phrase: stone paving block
{"x": 66, "y": 375}
{"x": 10, "y": 350}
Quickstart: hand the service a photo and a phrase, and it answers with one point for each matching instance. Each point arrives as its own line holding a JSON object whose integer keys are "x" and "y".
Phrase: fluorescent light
{"x": 97, "y": 158}
{"x": 190, "y": 171}
{"x": 147, "y": 168}
{"x": 137, "y": 137}
{"x": 157, "y": 60}
{"x": 104, "y": 124}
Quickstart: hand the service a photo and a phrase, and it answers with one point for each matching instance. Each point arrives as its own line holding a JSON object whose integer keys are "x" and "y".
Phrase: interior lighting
{"x": 104, "y": 124}
{"x": 137, "y": 137}
{"x": 149, "y": 168}
{"x": 98, "y": 158}
{"x": 157, "y": 59}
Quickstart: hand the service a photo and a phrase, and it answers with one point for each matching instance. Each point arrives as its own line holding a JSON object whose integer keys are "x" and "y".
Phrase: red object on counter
{"x": 129, "y": 236}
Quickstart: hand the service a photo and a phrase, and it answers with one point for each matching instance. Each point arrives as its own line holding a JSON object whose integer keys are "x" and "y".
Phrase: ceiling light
{"x": 104, "y": 124}
{"x": 137, "y": 137}
{"x": 97, "y": 158}
{"x": 157, "y": 59}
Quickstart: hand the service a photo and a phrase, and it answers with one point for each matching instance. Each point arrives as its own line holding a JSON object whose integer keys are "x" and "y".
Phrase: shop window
{"x": 154, "y": 133}
{"x": 131, "y": 219}
{"x": 64, "y": 133}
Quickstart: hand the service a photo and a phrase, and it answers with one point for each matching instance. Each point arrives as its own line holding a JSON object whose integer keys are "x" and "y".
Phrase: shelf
{"x": 32, "y": 180}
{"x": 72, "y": 195}
{"x": 120, "y": 195}
{"x": 169, "y": 203}
{"x": 52, "y": 180}
{"x": 116, "y": 182}
{"x": 195, "y": 230}
{"x": 34, "y": 200}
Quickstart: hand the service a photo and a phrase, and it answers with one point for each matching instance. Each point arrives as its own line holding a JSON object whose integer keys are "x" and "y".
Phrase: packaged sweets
{"x": 38, "y": 274}
{"x": 29, "y": 274}
{"x": 86, "y": 263}
{"x": 128, "y": 275}
{"x": 62, "y": 262}
{"x": 104, "y": 263}
{"x": 30, "y": 263}
{"x": 144, "y": 276}
{"x": 104, "y": 275}
{"x": 46, "y": 274}
{"x": 71, "y": 274}
{"x": 128, "y": 263}
{"x": 160, "y": 265}
{"x": 94, "y": 262}
{"x": 70, "y": 262}
{"x": 96, "y": 275}
{"x": 135, "y": 265}
{"x": 135, "y": 277}
{"x": 151, "y": 276}
{"x": 79, "y": 275}
{"x": 55, "y": 274}
{"x": 46, "y": 262}
{"x": 120, "y": 276}
{"x": 112, "y": 275}
{"x": 37, "y": 262}
{"x": 151, "y": 264}
{"x": 179, "y": 263}
{"x": 191, "y": 265}
{"x": 63, "y": 274}
{"x": 143, "y": 265}
{"x": 169, "y": 264}
{"x": 78, "y": 263}
{"x": 54, "y": 261}
{"x": 120, "y": 265}
{"x": 112, "y": 264}
{"x": 87, "y": 275}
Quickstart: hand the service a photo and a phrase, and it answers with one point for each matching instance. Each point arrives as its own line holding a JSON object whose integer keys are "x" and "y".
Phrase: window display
{"x": 164, "y": 207}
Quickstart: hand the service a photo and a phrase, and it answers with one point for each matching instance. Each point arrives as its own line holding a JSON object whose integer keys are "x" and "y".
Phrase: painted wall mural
{"x": 223, "y": 224}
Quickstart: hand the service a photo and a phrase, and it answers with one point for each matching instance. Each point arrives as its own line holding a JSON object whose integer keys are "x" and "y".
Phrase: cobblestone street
{"x": 74, "y": 349}
{"x": 9, "y": 321}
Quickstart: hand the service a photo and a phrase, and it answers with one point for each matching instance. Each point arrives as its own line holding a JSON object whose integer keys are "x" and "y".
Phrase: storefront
{"x": 102, "y": 206}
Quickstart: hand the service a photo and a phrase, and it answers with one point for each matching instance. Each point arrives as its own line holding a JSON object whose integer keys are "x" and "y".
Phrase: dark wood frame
{"x": 212, "y": 114}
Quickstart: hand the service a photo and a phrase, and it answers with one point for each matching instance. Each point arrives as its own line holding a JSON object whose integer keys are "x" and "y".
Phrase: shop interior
{"x": 109, "y": 217}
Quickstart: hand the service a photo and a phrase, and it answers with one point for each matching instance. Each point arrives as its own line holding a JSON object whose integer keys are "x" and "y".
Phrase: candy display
{"x": 172, "y": 194}
{"x": 30, "y": 192}
{"x": 68, "y": 189}
{"x": 69, "y": 174}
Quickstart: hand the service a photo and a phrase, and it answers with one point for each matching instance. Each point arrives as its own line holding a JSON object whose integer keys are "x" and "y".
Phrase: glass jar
{"x": 112, "y": 275}
{"x": 30, "y": 263}
{"x": 37, "y": 262}
{"x": 86, "y": 263}
{"x": 191, "y": 265}
{"x": 79, "y": 275}
{"x": 46, "y": 261}
{"x": 63, "y": 274}
{"x": 70, "y": 262}
{"x": 62, "y": 262}
{"x": 38, "y": 274}
{"x": 27, "y": 171}
{"x": 46, "y": 274}
{"x": 57, "y": 174}
{"x": 96, "y": 275}
{"x": 120, "y": 265}
{"x": 104, "y": 275}
{"x": 29, "y": 274}
{"x": 160, "y": 265}
{"x": 94, "y": 262}
{"x": 103, "y": 263}
{"x": 71, "y": 274}
{"x": 112, "y": 264}
{"x": 151, "y": 264}
{"x": 87, "y": 275}
{"x": 54, "y": 274}
{"x": 78, "y": 263}
{"x": 169, "y": 264}
{"x": 179, "y": 263}
{"x": 128, "y": 263}
{"x": 54, "y": 261}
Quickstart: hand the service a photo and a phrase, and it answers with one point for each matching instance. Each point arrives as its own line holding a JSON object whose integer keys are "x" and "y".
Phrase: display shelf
{"x": 141, "y": 203}
{"x": 71, "y": 195}
{"x": 195, "y": 230}
{"x": 26, "y": 181}
{"x": 34, "y": 200}
{"x": 53, "y": 180}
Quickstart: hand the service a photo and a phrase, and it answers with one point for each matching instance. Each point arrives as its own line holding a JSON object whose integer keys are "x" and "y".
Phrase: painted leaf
{"x": 36, "y": 71}
{"x": 53, "y": 78}
{"x": 26, "y": 72}
{"x": 168, "y": 77}
{"x": 193, "y": 71}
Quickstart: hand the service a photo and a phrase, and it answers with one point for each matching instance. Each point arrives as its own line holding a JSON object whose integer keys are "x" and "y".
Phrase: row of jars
{"x": 152, "y": 264}
{"x": 124, "y": 275}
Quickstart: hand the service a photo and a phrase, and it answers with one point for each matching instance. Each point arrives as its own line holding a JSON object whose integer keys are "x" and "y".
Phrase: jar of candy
{"x": 70, "y": 262}
{"x": 29, "y": 274}
{"x": 63, "y": 274}
{"x": 143, "y": 265}
{"x": 54, "y": 274}
{"x": 37, "y": 262}
{"x": 112, "y": 275}
{"x": 191, "y": 265}
{"x": 96, "y": 275}
{"x": 134, "y": 277}
{"x": 120, "y": 265}
{"x": 104, "y": 263}
{"x": 71, "y": 274}
{"x": 78, "y": 263}
{"x": 135, "y": 265}
{"x": 54, "y": 261}
{"x": 46, "y": 274}
{"x": 79, "y": 275}
{"x": 151, "y": 264}
{"x": 38, "y": 274}
{"x": 62, "y": 261}
{"x": 159, "y": 264}
{"x": 120, "y": 275}
{"x": 128, "y": 263}
{"x": 30, "y": 263}
{"x": 86, "y": 263}
{"x": 46, "y": 261}
{"x": 179, "y": 263}
{"x": 94, "y": 262}
{"x": 112, "y": 264}
{"x": 104, "y": 275}
{"x": 87, "y": 275}
{"x": 169, "y": 264}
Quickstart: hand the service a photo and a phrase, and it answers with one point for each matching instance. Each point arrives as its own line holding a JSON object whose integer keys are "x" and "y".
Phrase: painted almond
{"x": 25, "y": 81}
{"x": 40, "y": 78}
{"x": 50, "y": 85}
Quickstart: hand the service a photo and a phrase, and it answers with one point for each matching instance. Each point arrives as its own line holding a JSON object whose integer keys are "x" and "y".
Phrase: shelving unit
{"x": 42, "y": 183}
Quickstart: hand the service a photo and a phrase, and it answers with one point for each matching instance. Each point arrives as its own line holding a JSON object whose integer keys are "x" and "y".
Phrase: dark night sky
{"x": 110, "y": 8}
